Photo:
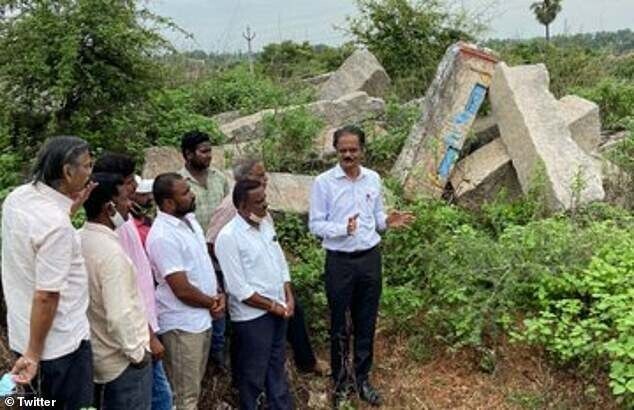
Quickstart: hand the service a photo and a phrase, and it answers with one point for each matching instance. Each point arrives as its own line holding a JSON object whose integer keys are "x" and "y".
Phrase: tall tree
{"x": 545, "y": 12}
{"x": 75, "y": 66}
{"x": 409, "y": 37}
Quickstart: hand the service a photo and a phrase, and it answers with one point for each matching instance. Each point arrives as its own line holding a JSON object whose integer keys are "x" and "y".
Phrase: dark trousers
{"x": 67, "y": 380}
{"x": 260, "y": 344}
{"x": 297, "y": 337}
{"x": 298, "y": 340}
{"x": 132, "y": 389}
{"x": 353, "y": 284}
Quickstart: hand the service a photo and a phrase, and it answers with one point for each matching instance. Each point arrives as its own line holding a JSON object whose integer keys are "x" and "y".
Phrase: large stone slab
{"x": 481, "y": 176}
{"x": 538, "y": 139}
{"x": 351, "y": 108}
{"x": 360, "y": 72}
{"x": 285, "y": 192}
{"x": 584, "y": 121}
{"x": 318, "y": 79}
{"x": 450, "y": 107}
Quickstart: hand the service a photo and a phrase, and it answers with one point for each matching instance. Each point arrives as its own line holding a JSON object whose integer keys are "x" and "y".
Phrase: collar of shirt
{"x": 189, "y": 177}
{"x": 172, "y": 220}
{"x": 245, "y": 226}
{"x": 101, "y": 228}
{"x": 61, "y": 200}
{"x": 340, "y": 173}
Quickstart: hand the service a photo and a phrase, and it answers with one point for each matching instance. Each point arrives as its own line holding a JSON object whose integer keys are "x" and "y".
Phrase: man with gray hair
{"x": 44, "y": 278}
{"x": 251, "y": 168}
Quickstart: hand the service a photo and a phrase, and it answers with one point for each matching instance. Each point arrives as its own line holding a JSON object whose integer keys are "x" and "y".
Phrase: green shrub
{"x": 615, "y": 99}
{"x": 238, "y": 89}
{"x": 287, "y": 145}
{"x": 587, "y": 315}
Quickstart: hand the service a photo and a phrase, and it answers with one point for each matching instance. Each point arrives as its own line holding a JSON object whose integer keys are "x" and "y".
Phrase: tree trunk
{"x": 547, "y": 33}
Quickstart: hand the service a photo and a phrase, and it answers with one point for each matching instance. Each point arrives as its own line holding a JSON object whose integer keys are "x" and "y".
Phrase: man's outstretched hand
{"x": 397, "y": 219}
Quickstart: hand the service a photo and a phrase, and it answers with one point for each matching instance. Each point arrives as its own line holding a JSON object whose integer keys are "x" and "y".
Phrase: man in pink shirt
{"x": 132, "y": 243}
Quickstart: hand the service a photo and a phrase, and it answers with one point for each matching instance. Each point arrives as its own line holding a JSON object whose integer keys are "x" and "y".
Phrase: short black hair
{"x": 53, "y": 155}
{"x": 190, "y": 140}
{"x": 115, "y": 163}
{"x": 241, "y": 191}
{"x": 104, "y": 192}
{"x": 163, "y": 187}
{"x": 349, "y": 129}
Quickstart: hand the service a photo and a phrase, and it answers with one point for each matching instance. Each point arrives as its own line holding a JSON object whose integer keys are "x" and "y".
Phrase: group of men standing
{"x": 126, "y": 312}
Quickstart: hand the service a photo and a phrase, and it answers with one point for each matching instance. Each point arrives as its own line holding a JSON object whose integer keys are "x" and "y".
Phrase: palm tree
{"x": 545, "y": 12}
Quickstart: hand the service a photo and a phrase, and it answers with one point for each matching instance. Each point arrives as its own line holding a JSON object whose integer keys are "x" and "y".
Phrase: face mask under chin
{"x": 256, "y": 219}
{"x": 116, "y": 219}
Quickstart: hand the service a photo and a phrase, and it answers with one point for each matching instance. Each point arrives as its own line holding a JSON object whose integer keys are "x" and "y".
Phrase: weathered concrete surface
{"x": 584, "y": 121}
{"x": 351, "y": 108}
{"x": 360, "y": 72}
{"x": 318, "y": 79}
{"x": 285, "y": 192}
{"x": 226, "y": 117}
{"x": 159, "y": 160}
{"x": 450, "y": 107}
{"x": 323, "y": 143}
{"x": 537, "y": 136}
{"x": 479, "y": 178}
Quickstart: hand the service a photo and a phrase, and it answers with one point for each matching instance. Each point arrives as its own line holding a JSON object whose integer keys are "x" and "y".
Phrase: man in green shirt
{"x": 208, "y": 183}
{"x": 210, "y": 186}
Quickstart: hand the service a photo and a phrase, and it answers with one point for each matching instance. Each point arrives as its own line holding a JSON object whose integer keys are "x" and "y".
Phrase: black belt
{"x": 351, "y": 255}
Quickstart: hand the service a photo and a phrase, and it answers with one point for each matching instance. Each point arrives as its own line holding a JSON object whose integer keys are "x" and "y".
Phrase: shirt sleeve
{"x": 380, "y": 216}
{"x": 318, "y": 215}
{"x": 166, "y": 255}
{"x": 118, "y": 306}
{"x": 228, "y": 256}
{"x": 281, "y": 258}
{"x": 53, "y": 259}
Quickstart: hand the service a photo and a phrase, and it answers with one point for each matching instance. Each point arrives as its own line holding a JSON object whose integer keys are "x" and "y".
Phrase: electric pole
{"x": 249, "y": 37}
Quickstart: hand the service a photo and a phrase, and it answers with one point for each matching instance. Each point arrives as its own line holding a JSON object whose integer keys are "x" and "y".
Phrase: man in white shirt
{"x": 187, "y": 294}
{"x": 119, "y": 329}
{"x": 44, "y": 278}
{"x": 346, "y": 211}
{"x": 260, "y": 298}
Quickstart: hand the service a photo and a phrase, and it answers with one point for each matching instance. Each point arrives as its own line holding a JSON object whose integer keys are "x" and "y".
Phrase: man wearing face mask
{"x": 260, "y": 298}
{"x": 250, "y": 168}
{"x": 142, "y": 206}
{"x": 132, "y": 241}
{"x": 346, "y": 212}
{"x": 187, "y": 293}
{"x": 210, "y": 186}
{"x": 119, "y": 329}
{"x": 44, "y": 277}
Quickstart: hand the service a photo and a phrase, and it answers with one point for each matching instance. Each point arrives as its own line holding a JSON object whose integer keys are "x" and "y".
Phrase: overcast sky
{"x": 217, "y": 25}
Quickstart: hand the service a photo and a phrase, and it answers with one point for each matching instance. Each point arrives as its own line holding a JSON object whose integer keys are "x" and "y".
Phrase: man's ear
{"x": 68, "y": 171}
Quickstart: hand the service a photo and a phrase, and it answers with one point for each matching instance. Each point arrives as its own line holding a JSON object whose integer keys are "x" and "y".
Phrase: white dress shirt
{"x": 175, "y": 246}
{"x": 252, "y": 261}
{"x": 118, "y": 326}
{"x": 334, "y": 198}
{"x": 42, "y": 251}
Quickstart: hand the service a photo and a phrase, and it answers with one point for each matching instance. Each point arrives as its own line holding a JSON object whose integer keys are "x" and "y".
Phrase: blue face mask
{"x": 7, "y": 385}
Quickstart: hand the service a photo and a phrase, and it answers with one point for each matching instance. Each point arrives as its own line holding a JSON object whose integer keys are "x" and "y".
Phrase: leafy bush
{"x": 409, "y": 38}
{"x": 287, "y": 145}
{"x": 383, "y": 148}
{"x": 238, "y": 89}
{"x": 615, "y": 99}
{"x": 289, "y": 59}
{"x": 587, "y": 315}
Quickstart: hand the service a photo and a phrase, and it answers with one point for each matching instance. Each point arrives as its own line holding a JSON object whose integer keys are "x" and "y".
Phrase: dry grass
{"x": 520, "y": 378}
